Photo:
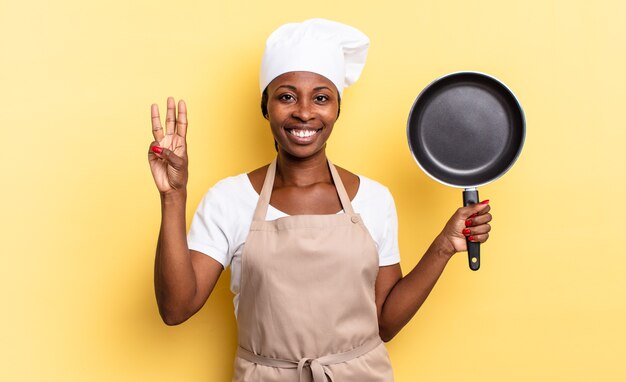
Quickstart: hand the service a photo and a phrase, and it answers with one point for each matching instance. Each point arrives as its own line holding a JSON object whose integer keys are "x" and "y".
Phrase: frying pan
{"x": 466, "y": 129}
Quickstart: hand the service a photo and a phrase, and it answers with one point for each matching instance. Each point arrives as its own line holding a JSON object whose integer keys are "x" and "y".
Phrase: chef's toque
{"x": 331, "y": 49}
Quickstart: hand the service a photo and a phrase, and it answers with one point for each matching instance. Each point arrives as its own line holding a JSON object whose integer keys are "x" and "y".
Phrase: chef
{"x": 312, "y": 247}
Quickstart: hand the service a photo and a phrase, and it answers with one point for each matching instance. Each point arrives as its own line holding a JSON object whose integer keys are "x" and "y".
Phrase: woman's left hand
{"x": 471, "y": 222}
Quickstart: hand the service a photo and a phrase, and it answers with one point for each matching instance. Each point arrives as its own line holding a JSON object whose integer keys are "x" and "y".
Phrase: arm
{"x": 183, "y": 279}
{"x": 398, "y": 298}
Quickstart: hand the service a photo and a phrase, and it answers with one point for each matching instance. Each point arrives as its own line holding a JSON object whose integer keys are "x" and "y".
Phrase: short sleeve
{"x": 388, "y": 246}
{"x": 209, "y": 228}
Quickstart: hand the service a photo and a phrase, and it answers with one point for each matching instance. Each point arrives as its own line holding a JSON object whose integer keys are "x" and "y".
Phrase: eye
{"x": 321, "y": 98}
{"x": 286, "y": 97}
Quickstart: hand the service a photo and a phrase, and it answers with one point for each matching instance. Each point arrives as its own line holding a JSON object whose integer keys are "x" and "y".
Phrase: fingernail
{"x": 157, "y": 149}
{"x": 468, "y": 222}
{"x": 466, "y": 231}
{"x": 485, "y": 202}
{"x": 474, "y": 215}
{"x": 471, "y": 238}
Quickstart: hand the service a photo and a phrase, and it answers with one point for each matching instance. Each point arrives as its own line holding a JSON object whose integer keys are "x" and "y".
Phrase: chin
{"x": 301, "y": 152}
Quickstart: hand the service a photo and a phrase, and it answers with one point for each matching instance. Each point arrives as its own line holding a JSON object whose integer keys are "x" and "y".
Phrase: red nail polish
{"x": 466, "y": 231}
{"x": 485, "y": 202}
{"x": 468, "y": 222}
{"x": 471, "y": 238}
{"x": 157, "y": 149}
{"x": 473, "y": 215}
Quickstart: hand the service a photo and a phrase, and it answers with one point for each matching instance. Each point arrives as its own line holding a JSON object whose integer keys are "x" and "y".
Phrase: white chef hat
{"x": 331, "y": 49}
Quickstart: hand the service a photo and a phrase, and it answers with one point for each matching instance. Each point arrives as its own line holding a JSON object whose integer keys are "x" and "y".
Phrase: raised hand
{"x": 168, "y": 152}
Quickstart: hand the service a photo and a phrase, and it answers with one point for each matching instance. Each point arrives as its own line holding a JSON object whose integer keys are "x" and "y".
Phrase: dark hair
{"x": 265, "y": 97}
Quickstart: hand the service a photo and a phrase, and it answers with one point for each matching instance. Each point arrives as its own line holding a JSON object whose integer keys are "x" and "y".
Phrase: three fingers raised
{"x": 173, "y": 125}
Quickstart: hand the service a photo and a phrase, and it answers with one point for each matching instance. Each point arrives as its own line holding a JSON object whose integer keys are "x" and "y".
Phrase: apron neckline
{"x": 263, "y": 203}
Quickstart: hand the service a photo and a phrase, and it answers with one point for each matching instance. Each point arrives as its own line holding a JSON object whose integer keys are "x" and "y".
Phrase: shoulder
{"x": 233, "y": 189}
{"x": 373, "y": 192}
{"x": 365, "y": 191}
{"x": 231, "y": 183}
{"x": 226, "y": 206}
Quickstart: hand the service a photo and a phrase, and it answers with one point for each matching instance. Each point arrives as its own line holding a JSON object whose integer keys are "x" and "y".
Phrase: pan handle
{"x": 470, "y": 196}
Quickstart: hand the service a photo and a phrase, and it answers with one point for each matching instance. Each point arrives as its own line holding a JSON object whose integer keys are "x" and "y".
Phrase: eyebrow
{"x": 291, "y": 87}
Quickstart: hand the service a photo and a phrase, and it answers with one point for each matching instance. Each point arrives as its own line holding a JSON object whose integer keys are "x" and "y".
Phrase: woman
{"x": 315, "y": 289}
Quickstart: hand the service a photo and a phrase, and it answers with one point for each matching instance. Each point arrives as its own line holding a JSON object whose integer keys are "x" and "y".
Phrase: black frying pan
{"x": 465, "y": 130}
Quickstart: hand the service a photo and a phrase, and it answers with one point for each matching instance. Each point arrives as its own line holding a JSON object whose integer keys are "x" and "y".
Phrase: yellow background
{"x": 80, "y": 212}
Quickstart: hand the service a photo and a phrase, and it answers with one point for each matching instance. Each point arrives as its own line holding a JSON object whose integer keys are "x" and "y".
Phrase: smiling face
{"x": 302, "y": 109}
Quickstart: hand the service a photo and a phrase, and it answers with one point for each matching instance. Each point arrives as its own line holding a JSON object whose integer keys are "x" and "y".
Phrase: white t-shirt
{"x": 222, "y": 220}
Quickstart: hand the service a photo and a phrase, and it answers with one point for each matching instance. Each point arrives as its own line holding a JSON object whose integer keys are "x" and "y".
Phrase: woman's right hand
{"x": 167, "y": 155}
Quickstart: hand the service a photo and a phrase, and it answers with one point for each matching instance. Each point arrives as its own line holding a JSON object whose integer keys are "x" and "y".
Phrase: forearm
{"x": 174, "y": 277}
{"x": 410, "y": 292}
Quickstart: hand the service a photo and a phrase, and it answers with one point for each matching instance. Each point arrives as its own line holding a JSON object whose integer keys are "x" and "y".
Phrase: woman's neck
{"x": 299, "y": 172}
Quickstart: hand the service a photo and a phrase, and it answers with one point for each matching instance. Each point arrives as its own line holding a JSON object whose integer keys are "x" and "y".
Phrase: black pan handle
{"x": 470, "y": 196}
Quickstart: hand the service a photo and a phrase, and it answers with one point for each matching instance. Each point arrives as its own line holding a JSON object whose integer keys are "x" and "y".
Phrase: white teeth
{"x": 302, "y": 133}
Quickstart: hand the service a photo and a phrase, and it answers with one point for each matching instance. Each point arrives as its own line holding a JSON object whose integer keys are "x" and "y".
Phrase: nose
{"x": 303, "y": 111}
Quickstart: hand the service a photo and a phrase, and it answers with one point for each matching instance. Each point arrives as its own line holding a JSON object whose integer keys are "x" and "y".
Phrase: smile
{"x": 300, "y": 133}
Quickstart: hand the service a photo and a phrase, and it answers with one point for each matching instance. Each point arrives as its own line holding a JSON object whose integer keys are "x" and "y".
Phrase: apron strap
{"x": 341, "y": 190}
{"x": 266, "y": 192}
